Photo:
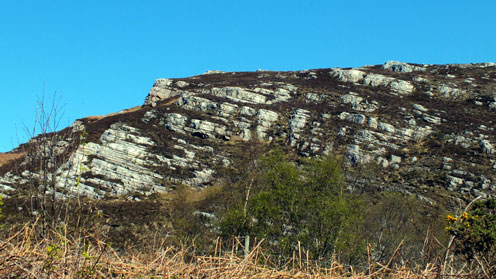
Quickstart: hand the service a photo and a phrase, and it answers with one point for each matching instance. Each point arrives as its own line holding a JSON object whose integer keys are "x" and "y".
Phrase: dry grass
{"x": 22, "y": 256}
{"x": 99, "y": 117}
{"x": 7, "y": 157}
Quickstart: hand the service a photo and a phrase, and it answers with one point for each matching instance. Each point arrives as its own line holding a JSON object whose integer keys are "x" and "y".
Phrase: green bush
{"x": 474, "y": 233}
{"x": 298, "y": 206}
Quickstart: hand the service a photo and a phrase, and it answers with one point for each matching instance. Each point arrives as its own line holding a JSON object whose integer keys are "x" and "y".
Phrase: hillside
{"x": 423, "y": 129}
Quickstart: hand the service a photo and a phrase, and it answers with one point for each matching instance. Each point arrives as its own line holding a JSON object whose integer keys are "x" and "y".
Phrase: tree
{"x": 45, "y": 153}
{"x": 299, "y": 206}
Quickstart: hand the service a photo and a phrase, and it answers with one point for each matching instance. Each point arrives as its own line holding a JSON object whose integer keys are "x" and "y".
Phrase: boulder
{"x": 402, "y": 67}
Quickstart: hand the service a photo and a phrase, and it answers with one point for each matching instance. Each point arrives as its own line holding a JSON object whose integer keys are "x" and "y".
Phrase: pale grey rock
{"x": 421, "y": 132}
{"x": 227, "y": 109}
{"x": 420, "y": 108}
{"x": 162, "y": 89}
{"x": 283, "y": 94}
{"x": 314, "y": 97}
{"x": 403, "y": 67}
{"x": 356, "y": 118}
{"x": 432, "y": 119}
{"x": 471, "y": 65}
{"x": 487, "y": 147}
{"x": 237, "y": 113}
{"x": 206, "y": 215}
{"x": 196, "y": 103}
{"x": 314, "y": 148}
{"x": 269, "y": 116}
{"x": 181, "y": 84}
{"x": 410, "y": 119}
{"x": 202, "y": 176}
{"x": 420, "y": 79}
{"x": 298, "y": 119}
{"x": 122, "y": 157}
{"x": 383, "y": 162}
{"x": 175, "y": 122}
{"x": 492, "y": 105}
{"x": 402, "y": 87}
{"x": 386, "y": 127}
{"x": 209, "y": 128}
{"x": 365, "y": 136}
{"x": 343, "y": 115}
{"x": 353, "y": 153}
{"x": 454, "y": 182}
{"x": 450, "y": 92}
{"x": 265, "y": 118}
{"x": 317, "y": 132}
{"x": 405, "y": 133}
{"x": 238, "y": 94}
{"x": 352, "y": 75}
{"x": 376, "y": 80}
{"x": 447, "y": 160}
{"x": 311, "y": 75}
{"x": 149, "y": 115}
{"x": 459, "y": 172}
{"x": 395, "y": 159}
{"x": 210, "y": 72}
{"x": 372, "y": 122}
{"x": 297, "y": 122}
{"x": 248, "y": 111}
{"x": 264, "y": 91}
{"x": 351, "y": 98}
{"x": 325, "y": 116}
{"x": 358, "y": 103}
{"x": 463, "y": 141}
{"x": 5, "y": 189}
{"x": 77, "y": 126}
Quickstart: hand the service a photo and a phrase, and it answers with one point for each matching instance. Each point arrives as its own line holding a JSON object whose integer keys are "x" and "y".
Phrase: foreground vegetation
{"x": 23, "y": 255}
{"x": 269, "y": 216}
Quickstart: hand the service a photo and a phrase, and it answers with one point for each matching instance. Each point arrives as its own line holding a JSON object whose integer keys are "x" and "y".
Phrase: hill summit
{"x": 423, "y": 129}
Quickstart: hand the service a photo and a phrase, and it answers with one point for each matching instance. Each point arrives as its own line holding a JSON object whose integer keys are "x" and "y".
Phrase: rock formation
{"x": 422, "y": 128}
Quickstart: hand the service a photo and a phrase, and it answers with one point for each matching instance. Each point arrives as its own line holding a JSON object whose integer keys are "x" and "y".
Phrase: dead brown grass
{"x": 99, "y": 117}
{"x": 22, "y": 256}
{"x": 7, "y": 157}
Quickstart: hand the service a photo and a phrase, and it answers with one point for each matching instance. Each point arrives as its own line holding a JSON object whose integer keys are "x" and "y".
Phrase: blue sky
{"x": 103, "y": 56}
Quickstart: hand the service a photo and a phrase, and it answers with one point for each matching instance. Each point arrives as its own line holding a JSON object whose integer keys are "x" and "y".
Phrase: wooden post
{"x": 247, "y": 246}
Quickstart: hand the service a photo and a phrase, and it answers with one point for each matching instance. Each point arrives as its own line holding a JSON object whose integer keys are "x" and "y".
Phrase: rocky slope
{"x": 420, "y": 128}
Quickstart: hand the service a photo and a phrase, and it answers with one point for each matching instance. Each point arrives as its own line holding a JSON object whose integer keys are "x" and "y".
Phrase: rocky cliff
{"x": 420, "y": 128}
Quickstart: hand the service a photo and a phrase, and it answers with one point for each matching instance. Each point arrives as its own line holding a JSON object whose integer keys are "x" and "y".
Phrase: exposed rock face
{"x": 397, "y": 66}
{"x": 423, "y": 126}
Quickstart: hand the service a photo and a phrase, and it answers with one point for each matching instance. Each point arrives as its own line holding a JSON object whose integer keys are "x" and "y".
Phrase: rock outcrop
{"x": 423, "y": 128}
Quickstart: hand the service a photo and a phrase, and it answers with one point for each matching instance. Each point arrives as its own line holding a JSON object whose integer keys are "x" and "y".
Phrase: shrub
{"x": 394, "y": 218}
{"x": 296, "y": 207}
{"x": 474, "y": 233}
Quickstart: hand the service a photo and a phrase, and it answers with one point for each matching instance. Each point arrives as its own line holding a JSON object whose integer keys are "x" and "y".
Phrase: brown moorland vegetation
{"x": 23, "y": 256}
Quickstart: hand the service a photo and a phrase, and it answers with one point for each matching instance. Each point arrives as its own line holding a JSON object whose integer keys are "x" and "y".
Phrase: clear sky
{"x": 103, "y": 56}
